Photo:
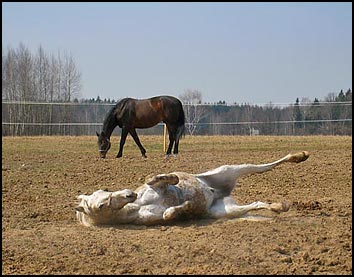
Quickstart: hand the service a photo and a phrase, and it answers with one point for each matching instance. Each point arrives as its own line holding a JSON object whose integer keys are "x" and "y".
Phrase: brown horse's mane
{"x": 110, "y": 121}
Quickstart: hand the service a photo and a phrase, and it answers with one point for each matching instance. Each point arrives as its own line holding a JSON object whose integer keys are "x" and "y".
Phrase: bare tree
{"x": 28, "y": 77}
{"x": 53, "y": 79}
{"x": 194, "y": 112}
{"x": 25, "y": 73}
{"x": 71, "y": 79}
{"x": 9, "y": 83}
{"x": 42, "y": 75}
{"x": 3, "y": 74}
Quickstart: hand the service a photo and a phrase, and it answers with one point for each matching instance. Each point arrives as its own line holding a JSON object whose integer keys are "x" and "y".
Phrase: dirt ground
{"x": 41, "y": 177}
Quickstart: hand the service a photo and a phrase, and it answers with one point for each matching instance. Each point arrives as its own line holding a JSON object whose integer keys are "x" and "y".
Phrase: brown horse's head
{"x": 103, "y": 144}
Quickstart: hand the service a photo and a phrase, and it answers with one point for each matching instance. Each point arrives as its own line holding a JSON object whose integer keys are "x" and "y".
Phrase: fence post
{"x": 164, "y": 137}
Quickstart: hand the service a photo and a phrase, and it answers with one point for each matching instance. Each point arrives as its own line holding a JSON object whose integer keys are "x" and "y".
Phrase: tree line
{"x": 330, "y": 116}
{"x": 85, "y": 117}
{"x": 52, "y": 83}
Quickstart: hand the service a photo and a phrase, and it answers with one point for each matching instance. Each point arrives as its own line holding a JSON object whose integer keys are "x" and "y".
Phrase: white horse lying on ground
{"x": 178, "y": 195}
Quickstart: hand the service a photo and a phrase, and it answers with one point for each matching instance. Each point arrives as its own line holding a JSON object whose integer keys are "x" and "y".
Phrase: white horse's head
{"x": 101, "y": 204}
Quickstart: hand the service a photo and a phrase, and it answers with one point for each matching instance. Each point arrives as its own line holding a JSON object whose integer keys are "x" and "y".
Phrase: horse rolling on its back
{"x": 130, "y": 114}
{"x": 165, "y": 198}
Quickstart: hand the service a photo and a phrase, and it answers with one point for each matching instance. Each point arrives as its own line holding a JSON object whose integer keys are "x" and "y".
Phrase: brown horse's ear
{"x": 97, "y": 134}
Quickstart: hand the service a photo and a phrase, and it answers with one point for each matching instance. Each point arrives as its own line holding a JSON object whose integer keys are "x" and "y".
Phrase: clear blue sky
{"x": 237, "y": 52}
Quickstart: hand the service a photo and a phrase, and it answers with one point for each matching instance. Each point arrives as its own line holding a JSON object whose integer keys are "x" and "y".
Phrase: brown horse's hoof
{"x": 167, "y": 156}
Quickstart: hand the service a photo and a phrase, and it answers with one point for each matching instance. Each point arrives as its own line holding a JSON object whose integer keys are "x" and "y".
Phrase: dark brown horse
{"x": 130, "y": 114}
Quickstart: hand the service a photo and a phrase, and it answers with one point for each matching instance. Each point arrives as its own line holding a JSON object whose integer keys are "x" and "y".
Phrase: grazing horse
{"x": 178, "y": 195}
{"x": 130, "y": 114}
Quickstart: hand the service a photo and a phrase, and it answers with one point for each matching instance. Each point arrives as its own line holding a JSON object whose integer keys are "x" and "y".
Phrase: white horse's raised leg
{"x": 224, "y": 177}
{"x": 246, "y": 169}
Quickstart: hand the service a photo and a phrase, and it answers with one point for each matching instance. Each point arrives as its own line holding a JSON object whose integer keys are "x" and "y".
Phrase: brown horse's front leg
{"x": 137, "y": 141}
{"x": 122, "y": 142}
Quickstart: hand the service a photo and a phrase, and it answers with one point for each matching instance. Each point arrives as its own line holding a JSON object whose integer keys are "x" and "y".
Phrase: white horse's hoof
{"x": 280, "y": 207}
{"x": 169, "y": 214}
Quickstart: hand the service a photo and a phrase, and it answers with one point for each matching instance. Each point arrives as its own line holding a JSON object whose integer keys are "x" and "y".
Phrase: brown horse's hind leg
{"x": 175, "y": 149}
{"x": 169, "y": 149}
{"x": 172, "y": 138}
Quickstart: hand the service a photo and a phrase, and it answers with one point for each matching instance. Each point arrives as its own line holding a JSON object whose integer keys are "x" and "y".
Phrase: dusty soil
{"x": 41, "y": 177}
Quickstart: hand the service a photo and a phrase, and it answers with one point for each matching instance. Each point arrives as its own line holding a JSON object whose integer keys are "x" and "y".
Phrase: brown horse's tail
{"x": 181, "y": 125}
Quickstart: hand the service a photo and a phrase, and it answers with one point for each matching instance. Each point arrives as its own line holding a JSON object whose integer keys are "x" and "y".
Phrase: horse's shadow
{"x": 185, "y": 223}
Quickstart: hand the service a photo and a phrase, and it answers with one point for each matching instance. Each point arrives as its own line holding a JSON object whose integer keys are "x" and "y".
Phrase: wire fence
{"x": 36, "y": 118}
